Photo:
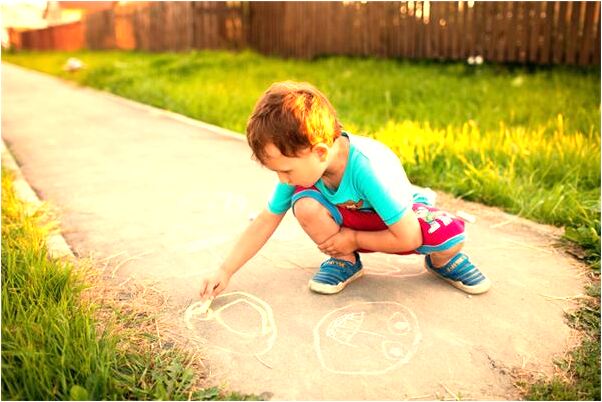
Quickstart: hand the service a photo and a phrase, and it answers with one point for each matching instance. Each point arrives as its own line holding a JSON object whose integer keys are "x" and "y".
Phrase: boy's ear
{"x": 321, "y": 150}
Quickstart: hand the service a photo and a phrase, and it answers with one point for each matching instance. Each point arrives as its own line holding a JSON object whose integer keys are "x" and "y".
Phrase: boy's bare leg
{"x": 441, "y": 258}
{"x": 317, "y": 222}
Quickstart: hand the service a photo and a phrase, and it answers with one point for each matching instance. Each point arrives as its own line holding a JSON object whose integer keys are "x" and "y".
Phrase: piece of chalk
{"x": 205, "y": 306}
{"x": 465, "y": 216}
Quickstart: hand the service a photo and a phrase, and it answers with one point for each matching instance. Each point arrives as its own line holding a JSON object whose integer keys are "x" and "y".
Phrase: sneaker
{"x": 461, "y": 273}
{"x": 335, "y": 274}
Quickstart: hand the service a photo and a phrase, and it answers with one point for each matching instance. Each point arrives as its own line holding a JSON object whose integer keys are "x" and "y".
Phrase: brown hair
{"x": 293, "y": 116}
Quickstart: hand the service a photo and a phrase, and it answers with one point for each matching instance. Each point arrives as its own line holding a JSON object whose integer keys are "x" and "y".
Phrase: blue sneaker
{"x": 461, "y": 273}
{"x": 335, "y": 274}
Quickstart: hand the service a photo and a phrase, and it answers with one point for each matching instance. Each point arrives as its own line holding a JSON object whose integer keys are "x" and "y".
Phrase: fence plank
{"x": 482, "y": 33}
{"x": 559, "y": 36}
{"x": 436, "y": 50}
{"x": 420, "y": 32}
{"x": 545, "y": 51}
{"x": 571, "y": 32}
{"x": 410, "y": 30}
{"x": 504, "y": 30}
{"x": 522, "y": 32}
{"x": 580, "y": 32}
{"x": 392, "y": 11}
{"x": 453, "y": 29}
{"x": 534, "y": 30}
{"x": 445, "y": 38}
{"x": 479, "y": 9}
{"x": 596, "y": 58}
{"x": 462, "y": 31}
{"x": 586, "y": 51}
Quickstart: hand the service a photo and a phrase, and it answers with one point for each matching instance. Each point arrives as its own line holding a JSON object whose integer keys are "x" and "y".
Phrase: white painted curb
{"x": 55, "y": 243}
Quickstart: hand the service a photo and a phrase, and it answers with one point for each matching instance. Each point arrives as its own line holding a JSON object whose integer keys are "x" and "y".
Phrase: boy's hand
{"x": 340, "y": 244}
{"x": 214, "y": 283}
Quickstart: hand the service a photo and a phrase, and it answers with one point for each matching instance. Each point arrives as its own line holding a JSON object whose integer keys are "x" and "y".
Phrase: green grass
{"x": 526, "y": 139}
{"x": 52, "y": 348}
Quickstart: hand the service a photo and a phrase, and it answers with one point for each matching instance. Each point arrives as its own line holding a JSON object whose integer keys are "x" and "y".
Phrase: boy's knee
{"x": 308, "y": 210}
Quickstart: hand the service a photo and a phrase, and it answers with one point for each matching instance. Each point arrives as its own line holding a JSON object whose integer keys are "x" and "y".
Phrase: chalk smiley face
{"x": 238, "y": 322}
{"x": 367, "y": 338}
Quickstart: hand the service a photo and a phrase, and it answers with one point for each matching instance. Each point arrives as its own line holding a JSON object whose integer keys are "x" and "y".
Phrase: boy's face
{"x": 304, "y": 170}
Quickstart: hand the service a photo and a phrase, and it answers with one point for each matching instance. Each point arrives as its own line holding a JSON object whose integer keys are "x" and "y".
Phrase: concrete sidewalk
{"x": 165, "y": 200}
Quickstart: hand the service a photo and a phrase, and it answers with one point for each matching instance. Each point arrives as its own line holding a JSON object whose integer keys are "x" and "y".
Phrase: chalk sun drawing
{"x": 238, "y": 323}
{"x": 367, "y": 338}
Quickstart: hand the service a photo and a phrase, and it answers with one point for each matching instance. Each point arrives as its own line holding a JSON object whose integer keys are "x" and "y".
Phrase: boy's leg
{"x": 317, "y": 222}
{"x": 321, "y": 220}
{"x": 443, "y": 238}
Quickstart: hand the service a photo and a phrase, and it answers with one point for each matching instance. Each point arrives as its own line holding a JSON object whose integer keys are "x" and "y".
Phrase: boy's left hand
{"x": 340, "y": 244}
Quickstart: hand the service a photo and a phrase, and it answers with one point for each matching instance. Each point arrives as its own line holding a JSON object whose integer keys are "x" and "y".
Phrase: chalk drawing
{"x": 238, "y": 322}
{"x": 368, "y": 338}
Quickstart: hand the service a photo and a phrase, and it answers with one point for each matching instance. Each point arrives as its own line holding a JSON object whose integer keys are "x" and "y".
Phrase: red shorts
{"x": 440, "y": 230}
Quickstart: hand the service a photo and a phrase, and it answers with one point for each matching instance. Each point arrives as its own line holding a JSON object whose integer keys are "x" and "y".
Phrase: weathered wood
{"x": 533, "y": 30}
{"x": 559, "y": 33}
{"x": 586, "y": 51}
{"x": 596, "y": 58}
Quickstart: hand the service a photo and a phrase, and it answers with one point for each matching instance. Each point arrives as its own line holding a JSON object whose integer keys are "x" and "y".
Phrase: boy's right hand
{"x": 214, "y": 283}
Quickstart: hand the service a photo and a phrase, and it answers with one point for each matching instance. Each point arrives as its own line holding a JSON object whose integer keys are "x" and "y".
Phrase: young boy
{"x": 350, "y": 194}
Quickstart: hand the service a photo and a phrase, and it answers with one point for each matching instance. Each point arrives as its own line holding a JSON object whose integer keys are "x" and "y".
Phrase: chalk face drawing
{"x": 367, "y": 338}
{"x": 236, "y": 322}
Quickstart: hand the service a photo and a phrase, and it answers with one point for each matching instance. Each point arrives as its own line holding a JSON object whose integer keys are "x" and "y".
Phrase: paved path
{"x": 130, "y": 181}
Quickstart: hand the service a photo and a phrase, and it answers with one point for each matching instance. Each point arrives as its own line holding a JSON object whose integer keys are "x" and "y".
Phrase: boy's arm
{"x": 249, "y": 243}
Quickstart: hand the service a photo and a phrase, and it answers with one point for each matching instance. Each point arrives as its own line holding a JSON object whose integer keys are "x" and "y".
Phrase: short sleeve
{"x": 386, "y": 188}
{"x": 280, "y": 201}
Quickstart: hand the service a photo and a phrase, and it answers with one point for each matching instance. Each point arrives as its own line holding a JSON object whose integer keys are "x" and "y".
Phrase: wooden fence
{"x": 540, "y": 32}
{"x": 169, "y": 26}
{"x": 537, "y": 32}
{"x": 67, "y": 37}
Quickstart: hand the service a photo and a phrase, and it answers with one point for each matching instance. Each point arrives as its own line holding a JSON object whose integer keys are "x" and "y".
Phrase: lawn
{"x": 526, "y": 139}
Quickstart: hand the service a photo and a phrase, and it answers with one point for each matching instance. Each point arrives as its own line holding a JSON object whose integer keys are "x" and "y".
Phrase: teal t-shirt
{"x": 374, "y": 180}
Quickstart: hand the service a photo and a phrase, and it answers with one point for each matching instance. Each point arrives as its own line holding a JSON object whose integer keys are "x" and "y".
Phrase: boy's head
{"x": 293, "y": 124}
